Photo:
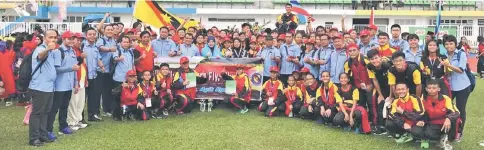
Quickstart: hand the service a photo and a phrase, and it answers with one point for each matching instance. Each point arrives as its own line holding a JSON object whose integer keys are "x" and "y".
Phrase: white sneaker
{"x": 81, "y": 125}
{"x": 202, "y": 105}
{"x": 74, "y": 127}
{"x": 290, "y": 115}
{"x": 165, "y": 112}
{"x": 8, "y": 104}
{"x": 209, "y": 106}
{"x": 443, "y": 141}
{"x": 448, "y": 147}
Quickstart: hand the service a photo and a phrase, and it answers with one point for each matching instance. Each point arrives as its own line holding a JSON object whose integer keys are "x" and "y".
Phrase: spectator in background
{"x": 354, "y": 4}
{"x": 480, "y": 56}
{"x": 464, "y": 45}
{"x": 366, "y": 4}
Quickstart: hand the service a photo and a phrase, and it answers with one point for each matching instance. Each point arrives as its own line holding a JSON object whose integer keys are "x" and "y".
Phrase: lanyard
{"x": 147, "y": 90}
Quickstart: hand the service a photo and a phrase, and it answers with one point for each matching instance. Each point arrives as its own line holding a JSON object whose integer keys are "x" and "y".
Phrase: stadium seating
{"x": 407, "y": 2}
{"x": 212, "y": 1}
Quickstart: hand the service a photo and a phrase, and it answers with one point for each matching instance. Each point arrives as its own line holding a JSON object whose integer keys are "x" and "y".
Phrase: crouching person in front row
{"x": 309, "y": 109}
{"x": 327, "y": 96}
{"x": 150, "y": 95}
{"x": 272, "y": 95}
{"x": 293, "y": 97}
{"x": 405, "y": 111}
{"x": 358, "y": 116}
{"x": 132, "y": 99}
{"x": 441, "y": 120}
{"x": 243, "y": 90}
{"x": 185, "y": 94}
{"x": 163, "y": 82}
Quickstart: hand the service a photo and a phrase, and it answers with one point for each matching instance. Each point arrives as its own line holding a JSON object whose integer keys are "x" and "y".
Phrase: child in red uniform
{"x": 309, "y": 108}
{"x": 272, "y": 94}
{"x": 243, "y": 90}
{"x": 294, "y": 97}
{"x": 132, "y": 99}
{"x": 406, "y": 110}
{"x": 358, "y": 116}
{"x": 163, "y": 82}
{"x": 327, "y": 96}
{"x": 441, "y": 120}
{"x": 185, "y": 96}
{"x": 150, "y": 94}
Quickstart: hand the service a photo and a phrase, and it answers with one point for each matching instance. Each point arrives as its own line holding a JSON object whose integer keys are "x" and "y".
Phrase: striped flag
{"x": 437, "y": 22}
{"x": 297, "y": 8}
{"x": 372, "y": 16}
{"x": 150, "y": 12}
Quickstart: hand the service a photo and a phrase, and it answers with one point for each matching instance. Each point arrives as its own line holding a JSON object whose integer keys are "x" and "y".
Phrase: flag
{"x": 297, "y": 8}
{"x": 150, "y": 12}
{"x": 62, "y": 10}
{"x": 372, "y": 16}
{"x": 437, "y": 22}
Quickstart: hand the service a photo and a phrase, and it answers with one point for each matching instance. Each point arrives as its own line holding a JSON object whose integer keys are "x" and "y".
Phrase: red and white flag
{"x": 372, "y": 16}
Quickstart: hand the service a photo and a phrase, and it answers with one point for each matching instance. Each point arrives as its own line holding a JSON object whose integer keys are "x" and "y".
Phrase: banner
{"x": 214, "y": 88}
{"x": 422, "y": 31}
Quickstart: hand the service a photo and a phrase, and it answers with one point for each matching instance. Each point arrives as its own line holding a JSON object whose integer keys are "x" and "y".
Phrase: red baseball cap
{"x": 372, "y": 26}
{"x": 274, "y": 69}
{"x": 350, "y": 30}
{"x": 78, "y": 35}
{"x": 67, "y": 34}
{"x": 352, "y": 45}
{"x": 305, "y": 70}
{"x": 184, "y": 60}
{"x": 282, "y": 37}
{"x": 339, "y": 36}
{"x": 333, "y": 29}
{"x": 364, "y": 33}
{"x": 131, "y": 73}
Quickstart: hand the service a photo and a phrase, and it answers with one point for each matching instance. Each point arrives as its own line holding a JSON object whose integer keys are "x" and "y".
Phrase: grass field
{"x": 223, "y": 129}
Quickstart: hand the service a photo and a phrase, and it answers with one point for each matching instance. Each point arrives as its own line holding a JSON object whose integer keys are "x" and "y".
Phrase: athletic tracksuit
{"x": 165, "y": 98}
{"x": 272, "y": 91}
{"x": 293, "y": 100}
{"x": 243, "y": 90}
{"x": 413, "y": 112}
{"x": 184, "y": 96}
{"x": 348, "y": 96}
{"x": 327, "y": 98}
{"x": 130, "y": 97}
{"x": 309, "y": 107}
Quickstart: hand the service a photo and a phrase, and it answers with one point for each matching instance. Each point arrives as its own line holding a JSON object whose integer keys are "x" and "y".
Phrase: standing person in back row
{"x": 164, "y": 46}
{"x": 145, "y": 61}
{"x": 65, "y": 83}
{"x": 93, "y": 62}
{"x": 289, "y": 57}
{"x": 106, "y": 45}
{"x": 397, "y": 43}
{"x": 270, "y": 55}
{"x": 42, "y": 88}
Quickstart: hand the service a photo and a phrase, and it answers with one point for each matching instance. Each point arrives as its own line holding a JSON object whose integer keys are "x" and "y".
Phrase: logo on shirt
{"x": 256, "y": 78}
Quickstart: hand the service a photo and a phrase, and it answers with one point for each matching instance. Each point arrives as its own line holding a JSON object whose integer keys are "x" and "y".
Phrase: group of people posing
{"x": 367, "y": 82}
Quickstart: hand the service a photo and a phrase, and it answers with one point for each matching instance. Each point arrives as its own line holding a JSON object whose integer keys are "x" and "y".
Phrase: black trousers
{"x": 133, "y": 110}
{"x": 183, "y": 104}
{"x": 41, "y": 105}
{"x": 93, "y": 98}
{"x": 60, "y": 104}
{"x": 329, "y": 119}
{"x": 480, "y": 66}
{"x": 339, "y": 119}
{"x": 461, "y": 102}
{"x": 375, "y": 110}
{"x": 116, "y": 103}
{"x": 272, "y": 110}
{"x": 107, "y": 82}
{"x": 392, "y": 125}
{"x": 433, "y": 131}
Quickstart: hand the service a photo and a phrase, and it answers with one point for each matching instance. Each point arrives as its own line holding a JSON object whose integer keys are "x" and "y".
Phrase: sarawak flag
{"x": 150, "y": 12}
{"x": 372, "y": 16}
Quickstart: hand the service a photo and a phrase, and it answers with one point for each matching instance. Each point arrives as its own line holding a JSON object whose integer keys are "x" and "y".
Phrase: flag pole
{"x": 437, "y": 21}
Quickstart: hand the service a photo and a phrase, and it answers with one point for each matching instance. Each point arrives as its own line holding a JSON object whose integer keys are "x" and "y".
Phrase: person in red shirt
{"x": 294, "y": 98}
{"x": 441, "y": 118}
{"x": 132, "y": 99}
{"x": 384, "y": 48}
{"x": 163, "y": 81}
{"x": 243, "y": 93}
{"x": 145, "y": 61}
{"x": 7, "y": 59}
{"x": 185, "y": 95}
{"x": 272, "y": 95}
{"x": 480, "y": 56}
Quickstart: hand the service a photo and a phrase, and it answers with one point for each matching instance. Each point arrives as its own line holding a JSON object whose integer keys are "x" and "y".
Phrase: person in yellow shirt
{"x": 294, "y": 97}
{"x": 405, "y": 72}
{"x": 272, "y": 95}
{"x": 327, "y": 97}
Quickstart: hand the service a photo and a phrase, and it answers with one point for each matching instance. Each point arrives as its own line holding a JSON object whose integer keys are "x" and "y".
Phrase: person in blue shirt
{"x": 42, "y": 89}
{"x": 395, "y": 42}
{"x": 324, "y": 51}
{"x": 373, "y": 33}
{"x": 337, "y": 59}
{"x": 124, "y": 63}
{"x": 211, "y": 49}
{"x": 365, "y": 45}
{"x": 309, "y": 59}
{"x": 188, "y": 48}
{"x": 93, "y": 61}
{"x": 290, "y": 52}
{"x": 65, "y": 82}
{"x": 270, "y": 55}
{"x": 459, "y": 82}
{"x": 164, "y": 46}
{"x": 413, "y": 53}
{"x": 107, "y": 45}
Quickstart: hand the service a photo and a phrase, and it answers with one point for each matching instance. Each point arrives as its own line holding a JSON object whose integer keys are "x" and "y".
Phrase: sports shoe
{"x": 404, "y": 139}
{"x": 66, "y": 130}
{"x": 357, "y": 130}
{"x": 459, "y": 137}
{"x": 165, "y": 112}
{"x": 347, "y": 128}
{"x": 290, "y": 115}
{"x": 51, "y": 136}
{"x": 245, "y": 110}
{"x": 81, "y": 125}
{"x": 8, "y": 104}
{"x": 448, "y": 147}
{"x": 74, "y": 128}
{"x": 424, "y": 144}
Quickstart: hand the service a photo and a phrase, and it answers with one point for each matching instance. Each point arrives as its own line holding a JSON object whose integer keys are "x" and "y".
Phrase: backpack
{"x": 26, "y": 73}
{"x": 468, "y": 72}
